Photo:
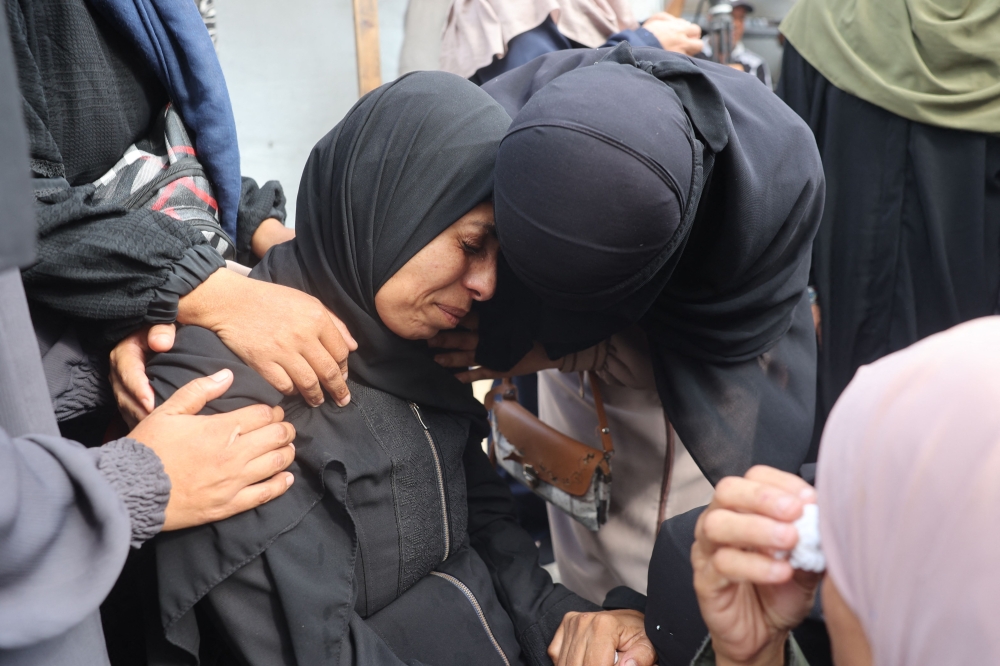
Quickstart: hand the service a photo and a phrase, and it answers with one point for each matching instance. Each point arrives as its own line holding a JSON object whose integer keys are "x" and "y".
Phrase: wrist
{"x": 269, "y": 233}
{"x": 136, "y": 473}
{"x": 771, "y": 653}
{"x": 201, "y": 307}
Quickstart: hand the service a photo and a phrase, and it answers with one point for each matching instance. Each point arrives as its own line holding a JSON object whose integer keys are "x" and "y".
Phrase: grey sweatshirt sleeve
{"x": 64, "y": 535}
{"x": 136, "y": 473}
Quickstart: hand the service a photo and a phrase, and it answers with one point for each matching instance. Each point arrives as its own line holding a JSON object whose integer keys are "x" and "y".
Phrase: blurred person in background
{"x": 750, "y": 62}
{"x": 485, "y": 38}
{"x": 68, "y": 514}
{"x": 907, "y": 499}
{"x": 903, "y": 97}
{"x": 96, "y": 78}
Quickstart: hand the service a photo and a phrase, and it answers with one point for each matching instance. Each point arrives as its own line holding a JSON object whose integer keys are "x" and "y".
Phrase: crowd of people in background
{"x": 228, "y": 439}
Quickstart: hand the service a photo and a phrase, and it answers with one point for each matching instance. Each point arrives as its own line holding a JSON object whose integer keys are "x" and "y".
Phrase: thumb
{"x": 352, "y": 344}
{"x": 640, "y": 654}
{"x": 161, "y": 337}
{"x": 193, "y": 396}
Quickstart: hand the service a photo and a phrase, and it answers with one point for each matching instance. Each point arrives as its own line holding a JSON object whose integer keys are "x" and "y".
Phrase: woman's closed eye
{"x": 472, "y": 247}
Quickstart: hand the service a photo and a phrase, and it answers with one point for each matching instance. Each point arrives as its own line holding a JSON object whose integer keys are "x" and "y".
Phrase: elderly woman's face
{"x": 435, "y": 288}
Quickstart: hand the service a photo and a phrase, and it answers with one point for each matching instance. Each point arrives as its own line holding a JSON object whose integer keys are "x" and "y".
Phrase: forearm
{"x": 200, "y": 306}
{"x": 136, "y": 473}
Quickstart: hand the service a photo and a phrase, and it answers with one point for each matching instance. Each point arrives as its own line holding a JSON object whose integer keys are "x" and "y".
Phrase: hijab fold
{"x": 407, "y": 162}
{"x": 909, "y": 499}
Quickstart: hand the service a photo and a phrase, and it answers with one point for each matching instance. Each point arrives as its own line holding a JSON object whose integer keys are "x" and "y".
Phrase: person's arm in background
{"x": 660, "y": 30}
{"x": 260, "y": 220}
{"x": 665, "y": 31}
{"x": 111, "y": 270}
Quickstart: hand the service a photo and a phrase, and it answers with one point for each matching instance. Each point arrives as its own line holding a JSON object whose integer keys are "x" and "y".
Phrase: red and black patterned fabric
{"x": 162, "y": 173}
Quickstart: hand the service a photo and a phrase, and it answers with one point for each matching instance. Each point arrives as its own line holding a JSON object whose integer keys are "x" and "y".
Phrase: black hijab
{"x": 679, "y": 195}
{"x": 407, "y": 162}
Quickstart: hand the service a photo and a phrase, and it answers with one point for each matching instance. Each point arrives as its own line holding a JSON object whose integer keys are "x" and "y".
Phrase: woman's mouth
{"x": 453, "y": 315}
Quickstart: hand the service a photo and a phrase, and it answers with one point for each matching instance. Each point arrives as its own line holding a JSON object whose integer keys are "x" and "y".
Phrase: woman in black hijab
{"x": 397, "y": 543}
{"x": 682, "y": 196}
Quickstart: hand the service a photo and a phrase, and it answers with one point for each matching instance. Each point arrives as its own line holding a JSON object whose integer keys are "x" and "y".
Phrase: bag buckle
{"x": 530, "y": 477}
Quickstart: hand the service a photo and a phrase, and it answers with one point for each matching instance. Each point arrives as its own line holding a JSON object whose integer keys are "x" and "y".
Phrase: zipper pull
{"x": 416, "y": 412}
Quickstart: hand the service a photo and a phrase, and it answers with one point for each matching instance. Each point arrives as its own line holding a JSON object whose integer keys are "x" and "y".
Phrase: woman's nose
{"x": 481, "y": 277}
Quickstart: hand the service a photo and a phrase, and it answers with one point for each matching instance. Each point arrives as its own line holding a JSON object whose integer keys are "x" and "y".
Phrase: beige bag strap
{"x": 668, "y": 468}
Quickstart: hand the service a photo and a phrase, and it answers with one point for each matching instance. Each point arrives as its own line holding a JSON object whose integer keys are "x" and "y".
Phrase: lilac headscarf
{"x": 909, "y": 495}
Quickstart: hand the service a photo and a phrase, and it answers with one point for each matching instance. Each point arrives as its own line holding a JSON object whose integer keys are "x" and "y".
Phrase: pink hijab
{"x": 478, "y": 30}
{"x": 909, "y": 496}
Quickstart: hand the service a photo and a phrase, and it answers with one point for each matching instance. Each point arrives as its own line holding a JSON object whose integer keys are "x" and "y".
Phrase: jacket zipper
{"x": 440, "y": 480}
{"x": 479, "y": 611}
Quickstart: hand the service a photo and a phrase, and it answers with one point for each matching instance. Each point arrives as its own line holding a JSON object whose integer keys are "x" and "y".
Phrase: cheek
{"x": 440, "y": 271}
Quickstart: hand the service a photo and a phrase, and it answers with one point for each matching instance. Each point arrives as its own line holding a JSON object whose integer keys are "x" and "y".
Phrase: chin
{"x": 423, "y": 332}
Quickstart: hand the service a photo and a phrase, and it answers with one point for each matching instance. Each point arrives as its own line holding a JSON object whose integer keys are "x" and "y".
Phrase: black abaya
{"x": 684, "y": 196}
{"x": 691, "y": 214}
{"x": 909, "y": 244}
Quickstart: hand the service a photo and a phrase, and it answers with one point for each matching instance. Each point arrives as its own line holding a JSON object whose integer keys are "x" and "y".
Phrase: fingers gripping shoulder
{"x": 198, "y": 352}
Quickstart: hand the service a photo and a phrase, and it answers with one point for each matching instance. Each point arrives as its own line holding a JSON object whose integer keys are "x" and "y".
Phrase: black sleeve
{"x": 256, "y": 205}
{"x": 100, "y": 264}
{"x": 527, "y": 593}
{"x": 112, "y": 268}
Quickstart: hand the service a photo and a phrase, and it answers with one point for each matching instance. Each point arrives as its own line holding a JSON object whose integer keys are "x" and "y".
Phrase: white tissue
{"x": 808, "y": 552}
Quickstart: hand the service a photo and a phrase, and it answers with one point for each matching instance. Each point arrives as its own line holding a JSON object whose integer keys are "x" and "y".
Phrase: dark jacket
{"x": 87, "y": 94}
{"x": 397, "y": 544}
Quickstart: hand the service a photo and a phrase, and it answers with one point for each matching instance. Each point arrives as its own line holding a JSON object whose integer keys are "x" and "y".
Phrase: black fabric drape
{"x": 724, "y": 308}
{"x": 909, "y": 244}
{"x": 396, "y": 172}
{"x": 688, "y": 197}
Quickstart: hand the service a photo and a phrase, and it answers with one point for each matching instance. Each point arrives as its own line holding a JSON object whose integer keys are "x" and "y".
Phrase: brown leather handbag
{"x": 565, "y": 472}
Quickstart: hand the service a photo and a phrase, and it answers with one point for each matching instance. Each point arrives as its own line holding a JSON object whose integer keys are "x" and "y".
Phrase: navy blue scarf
{"x": 174, "y": 40}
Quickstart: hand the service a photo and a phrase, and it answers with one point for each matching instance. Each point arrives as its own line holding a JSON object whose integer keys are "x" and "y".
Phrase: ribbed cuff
{"x": 193, "y": 268}
{"x": 136, "y": 472}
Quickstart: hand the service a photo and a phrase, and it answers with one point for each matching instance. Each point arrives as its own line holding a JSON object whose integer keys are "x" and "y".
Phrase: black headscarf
{"x": 406, "y": 163}
{"x": 678, "y": 195}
